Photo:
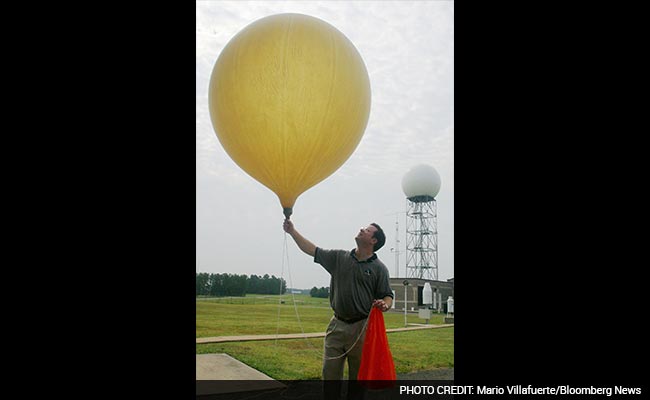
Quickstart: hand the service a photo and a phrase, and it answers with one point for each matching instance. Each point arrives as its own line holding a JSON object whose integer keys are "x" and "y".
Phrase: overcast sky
{"x": 408, "y": 49}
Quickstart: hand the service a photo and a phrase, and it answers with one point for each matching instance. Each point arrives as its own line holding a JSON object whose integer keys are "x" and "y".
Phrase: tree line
{"x": 319, "y": 292}
{"x": 218, "y": 285}
{"x": 221, "y": 285}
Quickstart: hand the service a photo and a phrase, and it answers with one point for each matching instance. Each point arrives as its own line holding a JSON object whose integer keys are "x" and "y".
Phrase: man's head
{"x": 373, "y": 235}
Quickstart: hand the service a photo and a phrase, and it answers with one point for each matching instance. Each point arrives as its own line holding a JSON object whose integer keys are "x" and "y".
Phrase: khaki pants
{"x": 339, "y": 338}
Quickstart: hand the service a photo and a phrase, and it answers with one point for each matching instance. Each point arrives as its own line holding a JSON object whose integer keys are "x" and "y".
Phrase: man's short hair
{"x": 380, "y": 236}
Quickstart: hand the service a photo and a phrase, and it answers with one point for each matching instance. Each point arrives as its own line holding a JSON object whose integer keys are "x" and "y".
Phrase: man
{"x": 359, "y": 281}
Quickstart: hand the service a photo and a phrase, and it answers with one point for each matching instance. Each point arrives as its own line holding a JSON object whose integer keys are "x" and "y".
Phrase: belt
{"x": 350, "y": 320}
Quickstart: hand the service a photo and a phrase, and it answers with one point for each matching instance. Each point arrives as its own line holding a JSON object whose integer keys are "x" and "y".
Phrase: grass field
{"x": 302, "y": 358}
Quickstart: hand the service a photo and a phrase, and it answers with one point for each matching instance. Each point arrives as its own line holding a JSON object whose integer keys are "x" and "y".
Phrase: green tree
{"x": 202, "y": 284}
{"x": 323, "y": 292}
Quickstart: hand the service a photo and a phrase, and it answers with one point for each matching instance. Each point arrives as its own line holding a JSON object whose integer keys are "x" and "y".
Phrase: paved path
{"x": 243, "y": 338}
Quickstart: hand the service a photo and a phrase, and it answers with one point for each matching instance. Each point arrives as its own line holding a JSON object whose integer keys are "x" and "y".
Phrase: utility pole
{"x": 406, "y": 283}
{"x": 396, "y": 249}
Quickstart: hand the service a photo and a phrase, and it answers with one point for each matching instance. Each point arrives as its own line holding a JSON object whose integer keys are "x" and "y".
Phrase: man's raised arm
{"x": 305, "y": 245}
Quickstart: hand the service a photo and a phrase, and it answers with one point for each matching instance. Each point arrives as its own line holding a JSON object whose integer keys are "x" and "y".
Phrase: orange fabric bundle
{"x": 376, "y": 359}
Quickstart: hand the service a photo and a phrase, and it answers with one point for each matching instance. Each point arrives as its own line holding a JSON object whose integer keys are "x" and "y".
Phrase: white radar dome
{"x": 421, "y": 183}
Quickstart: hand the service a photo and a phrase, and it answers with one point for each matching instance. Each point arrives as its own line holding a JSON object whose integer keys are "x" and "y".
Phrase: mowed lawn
{"x": 302, "y": 358}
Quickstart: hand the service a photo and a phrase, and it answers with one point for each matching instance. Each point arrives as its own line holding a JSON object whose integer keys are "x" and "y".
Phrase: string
{"x": 285, "y": 253}
{"x": 293, "y": 298}
{"x": 277, "y": 330}
{"x": 353, "y": 344}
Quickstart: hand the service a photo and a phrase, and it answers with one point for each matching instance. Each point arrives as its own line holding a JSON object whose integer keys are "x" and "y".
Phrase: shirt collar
{"x": 372, "y": 257}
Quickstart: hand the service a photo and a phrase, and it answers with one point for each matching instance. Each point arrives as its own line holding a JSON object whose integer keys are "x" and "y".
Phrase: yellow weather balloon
{"x": 289, "y": 100}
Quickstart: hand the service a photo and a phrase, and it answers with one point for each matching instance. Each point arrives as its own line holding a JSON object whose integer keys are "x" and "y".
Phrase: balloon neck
{"x": 287, "y": 212}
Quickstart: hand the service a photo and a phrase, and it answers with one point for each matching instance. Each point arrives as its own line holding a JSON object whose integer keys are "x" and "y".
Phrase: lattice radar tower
{"x": 421, "y": 184}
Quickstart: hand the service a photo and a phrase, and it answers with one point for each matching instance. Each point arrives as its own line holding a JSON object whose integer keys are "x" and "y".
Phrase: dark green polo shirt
{"x": 354, "y": 284}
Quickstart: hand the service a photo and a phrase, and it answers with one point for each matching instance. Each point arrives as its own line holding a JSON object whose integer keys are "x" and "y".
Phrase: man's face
{"x": 365, "y": 235}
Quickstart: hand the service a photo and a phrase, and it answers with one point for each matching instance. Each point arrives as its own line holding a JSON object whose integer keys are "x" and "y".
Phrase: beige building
{"x": 441, "y": 292}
